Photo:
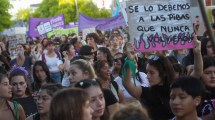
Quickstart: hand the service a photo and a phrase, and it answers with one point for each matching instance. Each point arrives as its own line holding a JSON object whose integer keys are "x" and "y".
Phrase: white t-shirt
{"x": 51, "y": 62}
{"x": 65, "y": 80}
{"x": 127, "y": 96}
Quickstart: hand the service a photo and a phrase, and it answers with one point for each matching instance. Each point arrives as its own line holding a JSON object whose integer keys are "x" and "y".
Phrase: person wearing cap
{"x": 50, "y": 58}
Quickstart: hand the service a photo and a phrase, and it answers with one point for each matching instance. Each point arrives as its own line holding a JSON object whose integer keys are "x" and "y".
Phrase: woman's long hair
{"x": 37, "y": 81}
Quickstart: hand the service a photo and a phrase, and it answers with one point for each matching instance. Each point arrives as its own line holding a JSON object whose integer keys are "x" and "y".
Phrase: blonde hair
{"x": 85, "y": 66}
{"x": 131, "y": 111}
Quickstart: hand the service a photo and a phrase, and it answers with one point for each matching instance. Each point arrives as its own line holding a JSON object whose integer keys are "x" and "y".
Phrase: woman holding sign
{"x": 160, "y": 75}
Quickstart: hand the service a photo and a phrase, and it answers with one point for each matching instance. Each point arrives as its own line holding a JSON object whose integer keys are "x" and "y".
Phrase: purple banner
{"x": 109, "y": 23}
{"x": 39, "y": 26}
{"x": 115, "y": 22}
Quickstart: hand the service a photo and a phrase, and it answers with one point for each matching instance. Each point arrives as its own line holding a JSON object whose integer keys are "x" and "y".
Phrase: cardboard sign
{"x": 160, "y": 24}
{"x": 16, "y": 39}
{"x": 87, "y": 31}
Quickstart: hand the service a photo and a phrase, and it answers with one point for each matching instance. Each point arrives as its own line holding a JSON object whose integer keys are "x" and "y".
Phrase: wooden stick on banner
{"x": 206, "y": 21}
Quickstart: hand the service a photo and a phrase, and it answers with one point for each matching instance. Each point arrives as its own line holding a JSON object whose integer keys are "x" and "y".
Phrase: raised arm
{"x": 64, "y": 66}
{"x": 34, "y": 55}
{"x": 135, "y": 91}
{"x": 198, "y": 62}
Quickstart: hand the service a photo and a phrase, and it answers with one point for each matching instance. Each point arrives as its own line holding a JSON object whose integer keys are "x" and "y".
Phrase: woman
{"x": 208, "y": 104}
{"x": 156, "y": 97}
{"x": 41, "y": 75}
{"x": 7, "y": 109}
{"x": 131, "y": 111}
{"x": 207, "y": 47}
{"x": 63, "y": 39}
{"x": 44, "y": 100}
{"x": 92, "y": 39}
{"x": 51, "y": 58}
{"x": 103, "y": 53}
{"x": 103, "y": 72}
{"x": 70, "y": 104}
{"x": 21, "y": 90}
{"x": 185, "y": 96}
{"x": 68, "y": 52}
{"x": 23, "y": 60}
{"x": 76, "y": 42}
{"x": 4, "y": 51}
{"x": 4, "y": 63}
{"x": 81, "y": 69}
{"x": 97, "y": 101}
{"x": 114, "y": 45}
{"x": 44, "y": 42}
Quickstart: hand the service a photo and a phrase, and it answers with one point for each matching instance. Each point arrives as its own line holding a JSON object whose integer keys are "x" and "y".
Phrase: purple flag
{"x": 88, "y": 22}
{"x": 115, "y": 22}
{"x": 40, "y": 26}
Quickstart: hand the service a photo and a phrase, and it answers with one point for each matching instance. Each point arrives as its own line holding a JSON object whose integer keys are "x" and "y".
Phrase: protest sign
{"x": 87, "y": 31}
{"x": 16, "y": 39}
{"x": 12, "y": 41}
{"x": 40, "y": 26}
{"x": 60, "y": 32}
{"x": 160, "y": 24}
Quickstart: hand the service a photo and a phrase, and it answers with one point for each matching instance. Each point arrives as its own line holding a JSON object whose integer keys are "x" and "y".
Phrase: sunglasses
{"x": 86, "y": 84}
{"x": 153, "y": 57}
{"x": 117, "y": 59}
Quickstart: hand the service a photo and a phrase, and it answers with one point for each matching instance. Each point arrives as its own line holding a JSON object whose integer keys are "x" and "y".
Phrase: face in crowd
{"x": 43, "y": 101}
{"x": 19, "y": 86}
{"x": 97, "y": 102}
{"x": 5, "y": 88}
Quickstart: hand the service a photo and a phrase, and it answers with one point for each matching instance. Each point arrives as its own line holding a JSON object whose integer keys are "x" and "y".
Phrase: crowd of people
{"x": 61, "y": 78}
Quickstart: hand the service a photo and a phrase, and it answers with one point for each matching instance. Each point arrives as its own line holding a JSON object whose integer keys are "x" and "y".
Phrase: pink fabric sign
{"x": 160, "y": 25}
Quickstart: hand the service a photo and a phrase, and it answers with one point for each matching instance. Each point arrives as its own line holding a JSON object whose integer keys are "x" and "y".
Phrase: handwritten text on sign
{"x": 160, "y": 25}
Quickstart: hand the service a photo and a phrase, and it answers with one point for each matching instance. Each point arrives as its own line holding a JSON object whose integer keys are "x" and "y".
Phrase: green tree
{"x": 5, "y": 21}
{"x": 24, "y": 14}
{"x": 49, "y": 8}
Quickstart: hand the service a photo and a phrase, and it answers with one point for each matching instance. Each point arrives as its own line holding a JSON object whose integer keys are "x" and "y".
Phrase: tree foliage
{"x": 23, "y": 14}
{"x": 5, "y": 21}
{"x": 49, "y": 8}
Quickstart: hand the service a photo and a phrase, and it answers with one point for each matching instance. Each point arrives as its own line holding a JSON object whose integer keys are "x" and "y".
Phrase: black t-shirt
{"x": 36, "y": 116}
{"x": 156, "y": 100}
{"x": 110, "y": 99}
{"x": 28, "y": 105}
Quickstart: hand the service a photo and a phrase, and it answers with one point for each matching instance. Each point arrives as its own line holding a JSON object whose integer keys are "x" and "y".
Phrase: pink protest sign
{"x": 160, "y": 24}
